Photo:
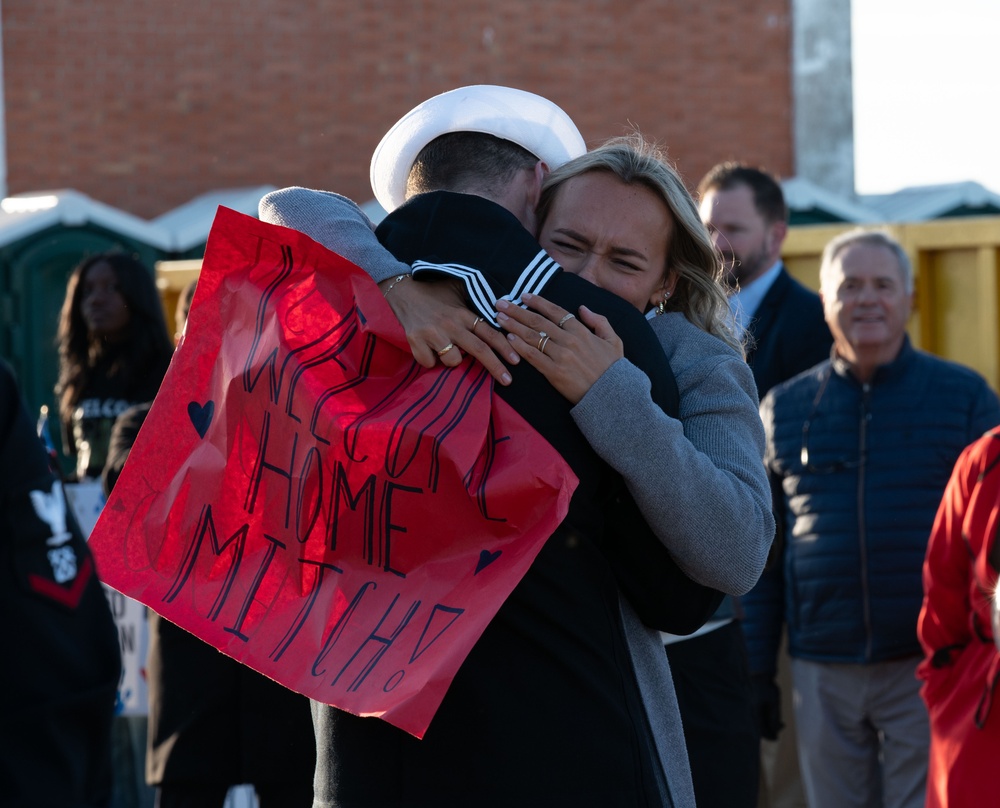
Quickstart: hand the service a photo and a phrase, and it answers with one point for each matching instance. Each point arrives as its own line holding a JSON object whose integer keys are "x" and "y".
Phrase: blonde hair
{"x": 699, "y": 294}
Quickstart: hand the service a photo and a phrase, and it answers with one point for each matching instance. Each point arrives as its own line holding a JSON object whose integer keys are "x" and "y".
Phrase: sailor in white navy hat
{"x": 529, "y": 120}
{"x": 546, "y": 707}
{"x": 538, "y": 126}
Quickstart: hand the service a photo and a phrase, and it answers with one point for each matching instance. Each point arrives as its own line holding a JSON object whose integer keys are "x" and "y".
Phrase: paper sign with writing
{"x": 309, "y": 500}
{"x": 86, "y": 498}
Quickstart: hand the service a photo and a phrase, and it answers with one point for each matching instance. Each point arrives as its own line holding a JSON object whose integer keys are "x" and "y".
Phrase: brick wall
{"x": 144, "y": 104}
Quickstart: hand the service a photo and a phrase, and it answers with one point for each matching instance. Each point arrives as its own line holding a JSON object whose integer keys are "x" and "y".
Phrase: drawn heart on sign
{"x": 485, "y": 559}
{"x": 201, "y": 416}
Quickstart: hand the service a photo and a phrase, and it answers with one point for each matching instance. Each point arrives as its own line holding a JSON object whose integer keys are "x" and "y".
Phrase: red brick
{"x": 146, "y": 104}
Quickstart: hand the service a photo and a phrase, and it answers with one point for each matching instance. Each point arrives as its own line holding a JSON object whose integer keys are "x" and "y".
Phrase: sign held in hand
{"x": 307, "y": 499}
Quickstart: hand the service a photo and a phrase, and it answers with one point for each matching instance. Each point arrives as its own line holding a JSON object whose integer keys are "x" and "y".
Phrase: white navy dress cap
{"x": 529, "y": 120}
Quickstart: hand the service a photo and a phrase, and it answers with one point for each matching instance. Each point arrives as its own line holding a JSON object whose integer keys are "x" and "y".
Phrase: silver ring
{"x": 543, "y": 342}
{"x": 445, "y": 349}
{"x": 566, "y": 318}
{"x": 476, "y": 322}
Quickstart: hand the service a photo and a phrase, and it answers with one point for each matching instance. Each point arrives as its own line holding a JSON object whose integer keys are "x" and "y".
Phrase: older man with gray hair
{"x": 859, "y": 449}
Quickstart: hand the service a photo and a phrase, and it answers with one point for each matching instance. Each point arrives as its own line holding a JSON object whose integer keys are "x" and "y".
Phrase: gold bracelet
{"x": 395, "y": 280}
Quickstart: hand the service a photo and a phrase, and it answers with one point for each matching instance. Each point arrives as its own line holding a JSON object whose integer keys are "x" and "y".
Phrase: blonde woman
{"x": 698, "y": 479}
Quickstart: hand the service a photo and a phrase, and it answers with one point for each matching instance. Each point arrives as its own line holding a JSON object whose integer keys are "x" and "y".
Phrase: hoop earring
{"x": 661, "y": 307}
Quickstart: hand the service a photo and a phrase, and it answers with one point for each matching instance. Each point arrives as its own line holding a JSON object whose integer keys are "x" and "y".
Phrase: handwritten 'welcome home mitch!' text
{"x": 309, "y": 500}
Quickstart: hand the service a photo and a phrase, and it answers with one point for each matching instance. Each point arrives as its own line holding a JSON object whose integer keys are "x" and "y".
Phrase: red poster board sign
{"x": 307, "y": 499}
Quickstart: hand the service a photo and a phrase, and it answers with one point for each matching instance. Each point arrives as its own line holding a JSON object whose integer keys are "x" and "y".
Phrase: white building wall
{"x": 822, "y": 97}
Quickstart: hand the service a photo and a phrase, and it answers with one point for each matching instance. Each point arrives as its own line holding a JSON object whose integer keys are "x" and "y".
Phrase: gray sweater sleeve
{"x": 335, "y": 222}
{"x": 700, "y": 480}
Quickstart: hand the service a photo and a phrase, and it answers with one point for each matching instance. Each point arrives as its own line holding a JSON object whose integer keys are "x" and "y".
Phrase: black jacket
{"x": 61, "y": 661}
{"x": 860, "y": 469}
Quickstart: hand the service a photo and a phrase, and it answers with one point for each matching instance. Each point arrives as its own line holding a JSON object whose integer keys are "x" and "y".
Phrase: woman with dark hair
{"x": 113, "y": 352}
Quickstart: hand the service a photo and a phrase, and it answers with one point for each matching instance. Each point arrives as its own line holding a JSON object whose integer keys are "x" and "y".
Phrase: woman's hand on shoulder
{"x": 571, "y": 350}
{"x": 440, "y": 326}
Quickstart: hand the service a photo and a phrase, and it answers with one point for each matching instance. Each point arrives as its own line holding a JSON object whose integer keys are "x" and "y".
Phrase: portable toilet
{"x": 43, "y": 236}
{"x": 189, "y": 224}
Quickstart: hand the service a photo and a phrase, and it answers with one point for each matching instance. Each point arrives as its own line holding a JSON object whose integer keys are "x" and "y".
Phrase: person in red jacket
{"x": 962, "y": 661}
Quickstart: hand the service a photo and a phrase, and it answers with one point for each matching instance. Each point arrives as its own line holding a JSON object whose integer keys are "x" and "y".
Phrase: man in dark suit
{"x": 745, "y": 211}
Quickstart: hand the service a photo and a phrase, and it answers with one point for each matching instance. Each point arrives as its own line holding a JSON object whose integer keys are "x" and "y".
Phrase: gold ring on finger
{"x": 446, "y": 348}
{"x": 566, "y": 318}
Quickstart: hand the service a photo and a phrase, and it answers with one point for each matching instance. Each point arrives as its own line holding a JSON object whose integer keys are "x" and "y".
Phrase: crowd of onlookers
{"x": 850, "y": 653}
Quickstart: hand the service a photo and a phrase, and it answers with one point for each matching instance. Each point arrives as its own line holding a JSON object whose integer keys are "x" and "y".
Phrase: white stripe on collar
{"x": 532, "y": 280}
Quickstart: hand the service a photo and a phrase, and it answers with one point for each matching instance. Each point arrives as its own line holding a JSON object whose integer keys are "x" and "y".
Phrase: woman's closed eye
{"x": 567, "y": 246}
{"x": 627, "y": 266}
